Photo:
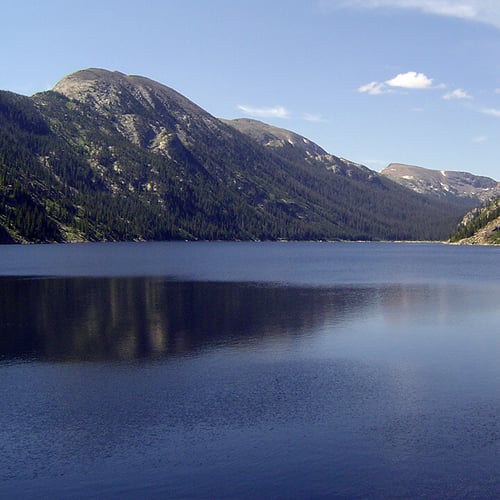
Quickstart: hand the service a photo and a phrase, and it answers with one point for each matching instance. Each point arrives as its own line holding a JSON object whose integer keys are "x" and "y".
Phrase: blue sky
{"x": 374, "y": 81}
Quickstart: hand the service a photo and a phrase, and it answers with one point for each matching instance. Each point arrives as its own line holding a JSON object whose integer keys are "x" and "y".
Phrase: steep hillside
{"x": 106, "y": 156}
{"x": 459, "y": 186}
{"x": 294, "y": 147}
{"x": 480, "y": 227}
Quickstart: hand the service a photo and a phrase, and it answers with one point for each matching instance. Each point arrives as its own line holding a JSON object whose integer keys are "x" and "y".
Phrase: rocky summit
{"x": 107, "y": 156}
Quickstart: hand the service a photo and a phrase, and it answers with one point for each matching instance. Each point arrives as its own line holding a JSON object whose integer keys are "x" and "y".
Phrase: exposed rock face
{"x": 444, "y": 184}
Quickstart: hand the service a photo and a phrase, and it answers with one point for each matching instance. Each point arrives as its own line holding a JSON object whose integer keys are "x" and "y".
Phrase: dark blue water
{"x": 249, "y": 370}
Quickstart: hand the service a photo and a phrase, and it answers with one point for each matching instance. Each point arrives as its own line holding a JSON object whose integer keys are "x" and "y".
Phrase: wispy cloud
{"x": 313, "y": 117}
{"x": 374, "y": 88}
{"x": 278, "y": 112}
{"x": 375, "y": 164}
{"x": 479, "y": 139}
{"x": 457, "y": 94}
{"x": 265, "y": 112}
{"x": 408, "y": 81}
{"x": 490, "y": 111}
{"x": 483, "y": 11}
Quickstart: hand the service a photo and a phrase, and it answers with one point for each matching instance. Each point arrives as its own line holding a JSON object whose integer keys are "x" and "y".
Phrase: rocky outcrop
{"x": 488, "y": 235}
{"x": 480, "y": 226}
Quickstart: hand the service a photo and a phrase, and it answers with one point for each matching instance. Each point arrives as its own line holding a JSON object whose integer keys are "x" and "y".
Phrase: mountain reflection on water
{"x": 130, "y": 318}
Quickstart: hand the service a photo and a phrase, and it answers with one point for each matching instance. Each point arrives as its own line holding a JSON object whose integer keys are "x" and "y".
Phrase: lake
{"x": 249, "y": 370}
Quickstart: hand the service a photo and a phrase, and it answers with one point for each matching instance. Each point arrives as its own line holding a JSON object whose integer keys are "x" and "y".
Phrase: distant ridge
{"x": 443, "y": 184}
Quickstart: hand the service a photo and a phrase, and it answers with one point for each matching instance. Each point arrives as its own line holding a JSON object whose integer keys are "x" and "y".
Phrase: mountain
{"x": 108, "y": 156}
{"x": 294, "y": 147}
{"x": 481, "y": 226}
{"x": 472, "y": 189}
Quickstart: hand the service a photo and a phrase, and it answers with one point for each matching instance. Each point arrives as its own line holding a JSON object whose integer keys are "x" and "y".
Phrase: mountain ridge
{"x": 294, "y": 146}
{"x": 107, "y": 156}
{"x": 443, "y": 183}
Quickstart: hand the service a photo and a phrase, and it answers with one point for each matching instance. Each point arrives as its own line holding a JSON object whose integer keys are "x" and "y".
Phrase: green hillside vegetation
{"x": 125, "y": 158}
{"x": 480, "y": 226}
{"x": 50, "y": 192}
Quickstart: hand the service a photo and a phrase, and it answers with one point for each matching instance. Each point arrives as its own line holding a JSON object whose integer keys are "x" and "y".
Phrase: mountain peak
{"x": 76, "y": 85}
{"x": 112, "y": 89}
{"x": 144, "y": 111}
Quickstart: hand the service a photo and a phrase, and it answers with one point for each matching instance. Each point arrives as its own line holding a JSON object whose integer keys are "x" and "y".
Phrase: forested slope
{"x": 480, "y": 227}
{"x": 106, "y": 156}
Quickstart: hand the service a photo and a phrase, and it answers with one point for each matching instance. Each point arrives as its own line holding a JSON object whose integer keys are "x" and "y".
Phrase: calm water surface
{"x": 249, "y": 370}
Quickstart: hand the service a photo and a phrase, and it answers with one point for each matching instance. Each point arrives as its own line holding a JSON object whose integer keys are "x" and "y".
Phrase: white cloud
{"x": 273, "y": 112}
{"x": 490, "y": 111}
{"x": 484, "y": 11}
{"x": 277, "y": 112}
{"x": 410, "y": 80}
{"x": 457, "y": 94}
{"x": 374, "y": 88}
